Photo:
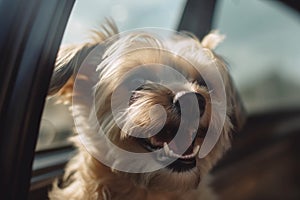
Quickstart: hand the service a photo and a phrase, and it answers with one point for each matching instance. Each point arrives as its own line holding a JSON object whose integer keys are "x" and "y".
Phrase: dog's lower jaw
{"x": 90, "y": 179}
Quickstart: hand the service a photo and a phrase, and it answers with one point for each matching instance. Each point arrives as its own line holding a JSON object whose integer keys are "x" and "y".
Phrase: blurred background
{"x": 263, "y": 51}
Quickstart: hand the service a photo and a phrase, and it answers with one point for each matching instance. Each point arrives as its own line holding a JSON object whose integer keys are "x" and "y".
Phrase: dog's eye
{"x": 201, "y": 82}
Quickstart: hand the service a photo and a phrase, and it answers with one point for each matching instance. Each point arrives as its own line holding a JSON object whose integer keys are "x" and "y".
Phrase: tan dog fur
{"x": 87, "y": 178}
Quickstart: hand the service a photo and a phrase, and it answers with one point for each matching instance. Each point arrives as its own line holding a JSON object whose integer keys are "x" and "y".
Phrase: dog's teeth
{"x": 171, "y": 153}
{"x": 167, "y": 149}
{"x": 161, "y": 156}
{"x": 196, "y": 149}
{"x": 174, "y": 155}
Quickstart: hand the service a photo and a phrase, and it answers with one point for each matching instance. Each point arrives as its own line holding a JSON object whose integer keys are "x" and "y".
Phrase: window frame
{"x": 29, "y": 40}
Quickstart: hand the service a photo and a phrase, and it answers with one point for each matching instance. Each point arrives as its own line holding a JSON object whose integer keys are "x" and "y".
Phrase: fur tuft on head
{"x": 212, "y": 40}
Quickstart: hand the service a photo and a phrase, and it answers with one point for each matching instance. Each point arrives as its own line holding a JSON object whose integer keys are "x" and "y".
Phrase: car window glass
{"x": 262, "y": 47}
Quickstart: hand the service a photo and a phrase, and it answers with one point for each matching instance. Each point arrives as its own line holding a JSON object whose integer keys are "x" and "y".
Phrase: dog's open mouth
{"x": 184, "y": 151}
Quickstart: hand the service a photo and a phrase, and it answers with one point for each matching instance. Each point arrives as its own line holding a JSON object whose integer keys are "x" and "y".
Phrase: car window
{"x": 57, "y": 123}
{"x": 128, "y": 14}
{"x": 262, "y": 47}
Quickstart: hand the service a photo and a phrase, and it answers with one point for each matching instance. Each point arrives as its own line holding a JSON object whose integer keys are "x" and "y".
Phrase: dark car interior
{"x": 264, "y": 160}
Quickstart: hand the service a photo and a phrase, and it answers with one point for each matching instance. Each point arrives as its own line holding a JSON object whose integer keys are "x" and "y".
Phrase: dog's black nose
{"x": 188, "y": 100}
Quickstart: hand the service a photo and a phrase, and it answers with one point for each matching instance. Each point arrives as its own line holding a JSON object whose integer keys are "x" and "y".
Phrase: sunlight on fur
{"x": 187, "y": 177}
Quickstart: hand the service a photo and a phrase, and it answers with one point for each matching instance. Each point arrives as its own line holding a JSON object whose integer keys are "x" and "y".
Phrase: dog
{"x": 164, "y": 98}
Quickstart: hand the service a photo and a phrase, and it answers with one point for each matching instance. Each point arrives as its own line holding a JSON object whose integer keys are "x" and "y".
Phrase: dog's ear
{"x": 67, "y": 61}
{"x": 212, "y": 40}
{"x": 70, "y": 58}
{"x": 238, "y": 113}
{"x": 235, "y": 104}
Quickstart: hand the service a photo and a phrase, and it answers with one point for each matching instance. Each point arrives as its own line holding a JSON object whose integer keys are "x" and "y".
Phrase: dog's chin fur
{"x": 93, "y": 180}
{"x": 87, "y": 178}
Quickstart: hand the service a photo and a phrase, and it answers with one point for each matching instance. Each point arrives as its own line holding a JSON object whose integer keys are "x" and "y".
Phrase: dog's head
{"x": 166, "y": 98}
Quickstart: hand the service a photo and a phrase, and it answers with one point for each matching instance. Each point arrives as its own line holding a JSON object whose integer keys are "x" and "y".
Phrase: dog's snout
{"x": 188, "y": 98}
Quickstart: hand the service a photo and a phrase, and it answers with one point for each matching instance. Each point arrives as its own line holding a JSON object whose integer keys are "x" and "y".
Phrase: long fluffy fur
{"x": 85, "y": 177}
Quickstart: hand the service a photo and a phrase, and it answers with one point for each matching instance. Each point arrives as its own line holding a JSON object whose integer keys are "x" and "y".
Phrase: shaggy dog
{"x": 153, "y": 114}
